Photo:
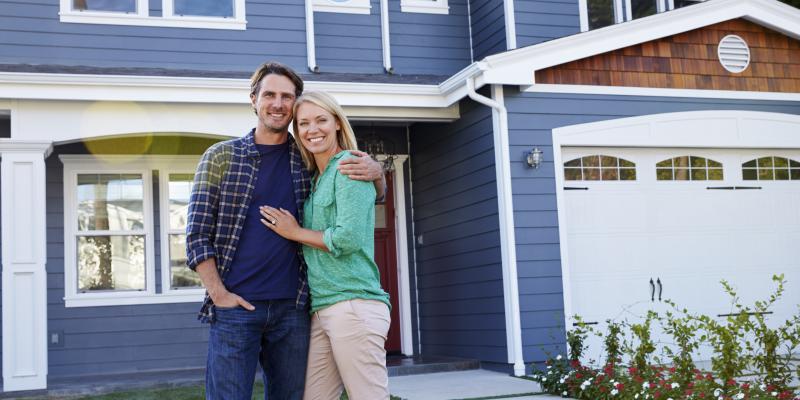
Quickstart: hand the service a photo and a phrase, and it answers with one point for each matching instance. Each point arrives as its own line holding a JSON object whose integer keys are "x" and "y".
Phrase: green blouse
{"x": 344, "y": 210}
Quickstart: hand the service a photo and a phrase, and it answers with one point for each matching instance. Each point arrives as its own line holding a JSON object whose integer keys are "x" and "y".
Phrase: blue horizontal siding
{"x": 436, "y": 44}
{"x": 30, "y": 32}
{"x": 349, "y": 42}
{"x": 459, "y": 272}
{"x": 542, "y": 20}
{"x": 488, "y": 27}
{"x": 532, "y": 117}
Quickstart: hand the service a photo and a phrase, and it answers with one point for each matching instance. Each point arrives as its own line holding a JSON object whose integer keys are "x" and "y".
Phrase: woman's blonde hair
{"x": 345, "y": 136}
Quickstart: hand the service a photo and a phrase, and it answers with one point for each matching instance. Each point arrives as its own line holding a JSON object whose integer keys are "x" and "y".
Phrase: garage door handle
{"x": 720, "y": 187}
{"x": 652, "y": 290}
{"x": 747, "y": 187}
{"x": 660, "y": 287}
{"x": 575, "y": 188}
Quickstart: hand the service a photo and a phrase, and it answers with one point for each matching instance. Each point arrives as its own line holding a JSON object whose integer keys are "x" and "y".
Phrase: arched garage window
{"x": 685, "y": 168}
{"x": 599, "y": 168}
{"x": 771, "y": 169}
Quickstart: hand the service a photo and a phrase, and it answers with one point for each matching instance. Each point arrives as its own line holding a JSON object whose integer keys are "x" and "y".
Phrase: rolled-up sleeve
{"x": 202, "y": 214}
{"x": 349, "y": 232}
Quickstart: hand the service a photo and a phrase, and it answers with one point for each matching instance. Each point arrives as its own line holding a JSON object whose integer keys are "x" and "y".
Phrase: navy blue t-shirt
{"x": 265, "y": 265}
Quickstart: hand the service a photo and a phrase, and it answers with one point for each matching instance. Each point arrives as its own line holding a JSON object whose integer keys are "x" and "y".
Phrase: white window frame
{"x": 583, "y": 11}
{"x": 145, "y": 165}
{"x": 661, "y": 6}
{"x": 347, "y": 7}
{"x": 142, "y": 17}
{"x": 181, "y": 166}
{"x": 425, "y": 6}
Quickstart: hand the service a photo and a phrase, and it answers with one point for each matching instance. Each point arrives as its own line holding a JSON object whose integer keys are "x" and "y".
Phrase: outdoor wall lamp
{"x": 534, "y": 158}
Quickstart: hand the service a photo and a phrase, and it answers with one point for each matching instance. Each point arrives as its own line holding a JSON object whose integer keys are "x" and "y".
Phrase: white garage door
{"x": 683, "y": 219}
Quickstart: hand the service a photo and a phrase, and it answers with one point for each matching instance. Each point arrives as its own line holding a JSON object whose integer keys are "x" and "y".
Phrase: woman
{"x": 350, "y": 311}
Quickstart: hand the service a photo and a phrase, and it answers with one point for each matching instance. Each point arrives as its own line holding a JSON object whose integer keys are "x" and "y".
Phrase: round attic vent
{"x": 733, "y": 53}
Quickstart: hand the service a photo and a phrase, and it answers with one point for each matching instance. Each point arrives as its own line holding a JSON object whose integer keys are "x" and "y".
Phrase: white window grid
{"x": 765, "y": 169}
{"x": 124, "y": 164}
{"x": 608, "y": 168}
{"x": 623, "y": 10}
{"x": 142, "y": 17}
{"x": 697, "y": 169}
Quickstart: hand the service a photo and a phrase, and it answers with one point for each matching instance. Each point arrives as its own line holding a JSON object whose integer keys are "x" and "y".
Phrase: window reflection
{"x": 771, "y": 169}
{"x": 111, "y": 263}
{"x": 126, "y": 6}
{"x": 110, "y": 202}
{"x": 204, "y": 8}
{"x": 686, "y": 168}
{"x": 599, "y": 168}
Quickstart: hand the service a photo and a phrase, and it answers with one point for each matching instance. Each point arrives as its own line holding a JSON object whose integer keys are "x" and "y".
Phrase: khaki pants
{"x": 346, "y": 347}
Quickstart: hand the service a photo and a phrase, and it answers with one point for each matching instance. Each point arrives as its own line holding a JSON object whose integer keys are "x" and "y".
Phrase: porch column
{"x": 22, "y": 207}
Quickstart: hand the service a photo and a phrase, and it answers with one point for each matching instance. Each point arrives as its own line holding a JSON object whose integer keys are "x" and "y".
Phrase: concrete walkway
{"x": 463, "y": 385}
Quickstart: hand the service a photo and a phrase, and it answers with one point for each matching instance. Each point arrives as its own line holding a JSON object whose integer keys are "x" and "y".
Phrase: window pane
{"x": 750, "y": 164}
{"x": 765, "y": 174}
{"x": 765, "y": 162}
{"x": 180, "y": 185}
{"x": 573, "y": 163}
{"x": 111, "y": 263}
{"x": 572, "y": 174}
{"x": 712, "y": 163}
{"x": 795, "y": 174}
{"x": 591, "y": 174}
{"x": 627, "y": 174}
{"x": 180, "y": 274}
{"x": 681, "y": 174}
{"x": 591, "y": 161}
{"x": 781, "y": 174}
{"x": 610, "y": 174}
{"x": 685, "y": 3}
{"x": 127, "y": 6}
{"x": 749, "y": 174}
{"x": 714, "y": 174}
{"x": 380, "y": 216}
{"x": 642, "y": 8}
{"x": 626, "y": 163}
{"x": 698, "y": 162}
{"x": 110, "y": 202}
{"x": 781, "y": 162}
{"x": 698, "y": 174}
{"x": 601, "y": 13}
{"x": 607, "y": 161}
{"x": 681, "y": 161}
{"x": 794, "y": 163}
{"x": 204, "y": 8}
{"x": 665, "y": 163}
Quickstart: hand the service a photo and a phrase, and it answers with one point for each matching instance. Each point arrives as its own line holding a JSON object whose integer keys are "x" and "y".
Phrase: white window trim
{"x": 425, "y": 6}
{"x": 92, "y": 164}
{"x": 583, "y": 12}
{"x": 348, "y": 7}
{"x": 182, "y": 166}
{"x": 142, "y": 17}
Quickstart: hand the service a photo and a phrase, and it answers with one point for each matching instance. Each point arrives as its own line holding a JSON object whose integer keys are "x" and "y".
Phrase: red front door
{"x": 386, "y": 258}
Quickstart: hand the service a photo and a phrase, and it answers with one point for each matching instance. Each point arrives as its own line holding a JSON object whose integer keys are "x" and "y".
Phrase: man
{"x": 257, "y": 293}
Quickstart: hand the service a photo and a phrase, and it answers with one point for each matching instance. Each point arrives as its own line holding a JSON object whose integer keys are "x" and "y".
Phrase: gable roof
{"x": 518, "y": 67}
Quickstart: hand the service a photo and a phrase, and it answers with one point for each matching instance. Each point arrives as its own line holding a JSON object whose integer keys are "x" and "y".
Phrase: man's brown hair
{"x": 273, "y": 67}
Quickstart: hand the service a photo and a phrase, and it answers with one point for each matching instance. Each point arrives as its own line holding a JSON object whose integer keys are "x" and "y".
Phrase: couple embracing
{"x": 280, "y": 231}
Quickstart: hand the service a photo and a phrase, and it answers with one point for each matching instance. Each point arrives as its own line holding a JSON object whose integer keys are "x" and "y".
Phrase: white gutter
{"x": 311, "y": 54}
{"x": 387, "y": 52}
{"x": 506, "y": 211}
{"x": 511, "y": 25}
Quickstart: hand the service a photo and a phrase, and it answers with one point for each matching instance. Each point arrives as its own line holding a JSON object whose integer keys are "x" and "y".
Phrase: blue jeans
{"x": 275, "y": 335}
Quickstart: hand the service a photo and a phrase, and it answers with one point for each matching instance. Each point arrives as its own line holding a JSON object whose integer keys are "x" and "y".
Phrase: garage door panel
{"x": 606, "y": 212}
{"x": 605, "y": 250}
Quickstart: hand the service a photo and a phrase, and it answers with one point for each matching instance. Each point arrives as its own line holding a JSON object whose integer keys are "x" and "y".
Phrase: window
{"x": 687, "y": 168}
{"x": 343, "y": 6}
{"x": 110, "y": 225}
{"x": 599, "y": 13}
{"x": 635, "y": 9}
{"x": 208, "y": 14}
{"x": 599, "y": 168}
{"x": 771, "y": 169}
{"x": 424, "y": 6}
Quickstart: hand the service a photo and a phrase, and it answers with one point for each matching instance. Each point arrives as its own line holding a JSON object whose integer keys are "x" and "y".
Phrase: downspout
{"x": 511, "y": 25}
{"x": 506, "y": 211}
{"x": 387, "y": 51}
{"x": 311, "y": 54}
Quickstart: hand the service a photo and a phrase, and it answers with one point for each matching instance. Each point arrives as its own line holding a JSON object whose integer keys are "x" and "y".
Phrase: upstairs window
{"x": 771, "y": 169}
{"x": 424, "y": 6}
{"x": 207, "y": 14}
{"x": 689, "y": 168}
{"x": 599, "y": 168}
{"x": 599, "y": 13}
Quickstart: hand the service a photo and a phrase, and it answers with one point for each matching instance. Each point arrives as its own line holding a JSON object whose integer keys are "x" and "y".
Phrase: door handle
{"x": 660, "y": 287}
{"x": 652, "y": 290}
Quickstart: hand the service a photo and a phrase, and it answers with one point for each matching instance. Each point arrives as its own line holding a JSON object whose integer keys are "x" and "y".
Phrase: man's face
{"x": 273, "y": 102}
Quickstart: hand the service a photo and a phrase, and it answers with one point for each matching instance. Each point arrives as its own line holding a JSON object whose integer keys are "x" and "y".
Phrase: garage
{"x": 649, "y": 222}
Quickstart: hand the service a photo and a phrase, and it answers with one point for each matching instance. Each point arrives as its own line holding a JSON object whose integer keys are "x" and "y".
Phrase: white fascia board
{"x": 16, "y": 85}
{"x": 517, "y": 67}
{"x": 659, "y": 92}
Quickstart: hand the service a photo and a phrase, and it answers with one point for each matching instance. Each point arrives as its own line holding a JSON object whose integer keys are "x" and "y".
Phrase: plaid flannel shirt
{"x": 221, "y": 194}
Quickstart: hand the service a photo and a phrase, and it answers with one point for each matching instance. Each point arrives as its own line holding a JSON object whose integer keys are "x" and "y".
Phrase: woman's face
{"x": 317, "y": 129}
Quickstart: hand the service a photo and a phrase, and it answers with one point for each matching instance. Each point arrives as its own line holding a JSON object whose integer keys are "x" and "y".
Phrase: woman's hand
{"x": 280, "y": 221}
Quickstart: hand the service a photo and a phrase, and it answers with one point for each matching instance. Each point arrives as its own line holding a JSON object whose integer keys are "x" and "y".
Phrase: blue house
{"x": 546, "y": 158}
